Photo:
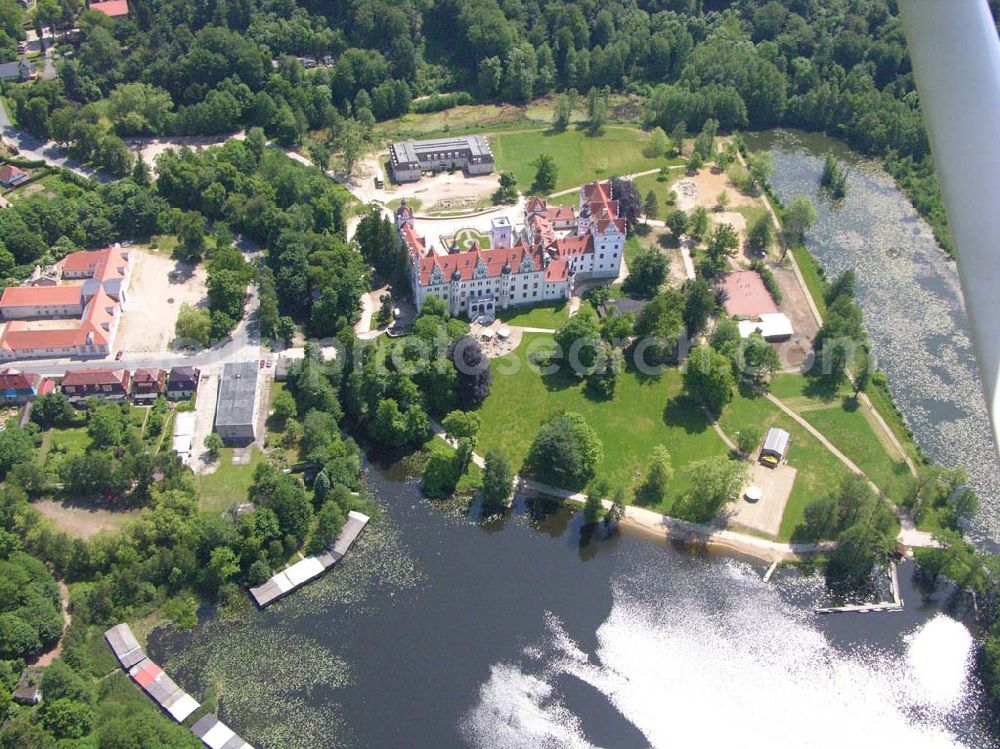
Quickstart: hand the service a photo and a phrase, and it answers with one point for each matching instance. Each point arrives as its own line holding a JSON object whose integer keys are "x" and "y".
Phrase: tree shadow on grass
{"x": 850, "y": 403}
{"x": 561, "y": 379}
{"x": 685, "y": 412}
{"x": 823, "y": 387}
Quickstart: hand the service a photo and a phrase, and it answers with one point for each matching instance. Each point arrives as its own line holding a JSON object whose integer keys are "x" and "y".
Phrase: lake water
{"x": 912, "y": 302}
{"x": 438, "y": 631}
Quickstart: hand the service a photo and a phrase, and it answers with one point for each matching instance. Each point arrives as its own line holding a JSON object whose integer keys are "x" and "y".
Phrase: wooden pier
{"x": 307, "y": 569}
{"x": 896, "y": 604}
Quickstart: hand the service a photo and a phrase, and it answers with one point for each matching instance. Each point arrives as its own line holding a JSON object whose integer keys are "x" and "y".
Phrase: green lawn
{"x": 818, "y": 469}
{"x": 661, "y": 188}
{"x": 840, "y": 419}
{"x": 552, "y": 315}
{"x": 229, "y": 483}
{"x": 811, "y": 273}
{"x": 578, "y": 157}
{"x": 73, "y": 439}
{"x": 645, "y": 412}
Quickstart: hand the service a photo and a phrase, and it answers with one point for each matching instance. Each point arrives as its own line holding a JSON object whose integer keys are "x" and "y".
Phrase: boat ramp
{"x": 164, "y": 691}
{"x": 311, "y": 567}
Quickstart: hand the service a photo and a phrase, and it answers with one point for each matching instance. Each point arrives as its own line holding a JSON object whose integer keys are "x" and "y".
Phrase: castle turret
{"x": 583, "y": 221}
{"x": 404, "y": 214}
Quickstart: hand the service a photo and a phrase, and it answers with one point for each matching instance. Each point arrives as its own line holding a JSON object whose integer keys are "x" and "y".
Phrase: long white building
{"x": 539, "y": 260}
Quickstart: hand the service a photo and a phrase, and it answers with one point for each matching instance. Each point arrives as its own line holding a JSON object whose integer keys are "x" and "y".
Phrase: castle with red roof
{"x": 541, "y": 260}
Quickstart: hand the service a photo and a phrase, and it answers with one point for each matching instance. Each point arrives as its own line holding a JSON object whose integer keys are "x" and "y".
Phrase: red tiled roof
{"x": 558, "y": 270}
{"x": 574, "y": 246}
{"x": 555, "y": 213}
{"x": 80, "y": 377}
{"x": 9, "y": 172}
{"x": 148, "y": 375}
{"x": 534, "y": 204}
{"x": 113, "y": 8}
{"x": 100, "y": 264}
{"x": 744, "y": 294}
{"x": 15, "y": 379}
{"x": 603, "y": 210}
{"x": 413, "y": 240}
{"x": 466, "y": 262}
{"x": 30, "y": 296}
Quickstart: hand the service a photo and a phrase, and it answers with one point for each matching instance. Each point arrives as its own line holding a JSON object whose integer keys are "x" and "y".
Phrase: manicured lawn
{"x": 229, "y": 483}
{"x": 645, "y": 412}
{"x": 73, "y": 439}
{"x": 811, "y": 273}
{"x": 552, "y": 315}
{"x": 819, "y": 471}
{"x": 661, "y": 187}
{"x": 840, "y": 420}
{"x": 578, "y": 157}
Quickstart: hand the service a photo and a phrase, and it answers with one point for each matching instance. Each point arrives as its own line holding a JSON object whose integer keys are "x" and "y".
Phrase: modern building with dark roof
{"x": 411, "y": 158}
{"x": 236, "y": 407}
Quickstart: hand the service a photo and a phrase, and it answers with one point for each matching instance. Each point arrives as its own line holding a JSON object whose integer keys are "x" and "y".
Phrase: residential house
{"x": 11, "y": 176}
{"x": 182, "y": 383}
{"x": 17, "y": 387}
{"x": 19, "y": 70}
{"x": 148, "y": 385}
{"x": 107, "y": 384}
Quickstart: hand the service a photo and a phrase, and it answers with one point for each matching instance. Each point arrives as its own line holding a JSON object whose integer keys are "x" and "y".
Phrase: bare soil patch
{"x": 83, "y": 521}
{"x": 159, "y": 285}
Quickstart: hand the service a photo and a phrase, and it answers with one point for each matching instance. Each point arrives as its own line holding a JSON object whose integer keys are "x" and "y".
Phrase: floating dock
{"x": 311, "y": 567}
{"x": 164, "y": 691}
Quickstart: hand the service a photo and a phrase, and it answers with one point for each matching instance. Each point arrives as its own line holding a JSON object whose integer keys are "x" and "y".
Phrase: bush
{"x": 770, "y": 282}
{"x": 440, "y": 102}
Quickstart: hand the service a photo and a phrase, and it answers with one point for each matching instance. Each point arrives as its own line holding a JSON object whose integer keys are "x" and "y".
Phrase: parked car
{"x": 119, "y": 355}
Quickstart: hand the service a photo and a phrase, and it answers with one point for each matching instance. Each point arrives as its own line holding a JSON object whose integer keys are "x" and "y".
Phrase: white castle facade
{"x": 539, "y": 260}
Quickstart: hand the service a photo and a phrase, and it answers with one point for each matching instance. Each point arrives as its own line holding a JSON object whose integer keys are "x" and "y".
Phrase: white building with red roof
{"x": 79, "y": 318}
{"x": 538, "y": 261}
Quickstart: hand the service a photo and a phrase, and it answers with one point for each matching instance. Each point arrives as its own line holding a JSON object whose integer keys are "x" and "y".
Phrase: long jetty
{"x": 164, "y": 691}
{"x": 311, "y": 567}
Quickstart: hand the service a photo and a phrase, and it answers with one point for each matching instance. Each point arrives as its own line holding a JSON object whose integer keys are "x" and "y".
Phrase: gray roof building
{"x": 409, "y": 158}
{"x": 236, "y": 407}
{"x": 19, "y": 70}
{"x": 776, "y": 444}
{"x": 124, "y": 645}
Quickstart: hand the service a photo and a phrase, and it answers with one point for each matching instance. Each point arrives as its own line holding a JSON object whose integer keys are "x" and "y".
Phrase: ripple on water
{"x": 755, "y": 672}
{"x": 913, "y": 307}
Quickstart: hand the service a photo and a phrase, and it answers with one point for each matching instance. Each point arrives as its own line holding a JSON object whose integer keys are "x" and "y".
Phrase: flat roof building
{"x": 236, "y": 407}
{"x": 409, "y": 159}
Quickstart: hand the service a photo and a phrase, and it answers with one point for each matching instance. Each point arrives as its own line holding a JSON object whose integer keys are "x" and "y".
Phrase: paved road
{"x": 30, "y": 147}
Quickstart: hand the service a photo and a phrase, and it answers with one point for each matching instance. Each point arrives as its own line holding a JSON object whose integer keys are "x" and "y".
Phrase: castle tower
{"x": 505, "y": 280}
{"x": 501, "y": 233}
{"x": 583, "y": 221}
{"x": 404, "y": 215}
{"x": 454, "y": 293}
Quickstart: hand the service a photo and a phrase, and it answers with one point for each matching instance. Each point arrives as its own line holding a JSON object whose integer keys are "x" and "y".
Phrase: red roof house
{"x": 10, "y": 175}
{"x": 109, "y": 384}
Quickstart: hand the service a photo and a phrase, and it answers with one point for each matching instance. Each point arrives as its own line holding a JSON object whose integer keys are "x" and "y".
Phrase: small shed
{"x": 29, "y": 688}
{"x": 775, "y": 447}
